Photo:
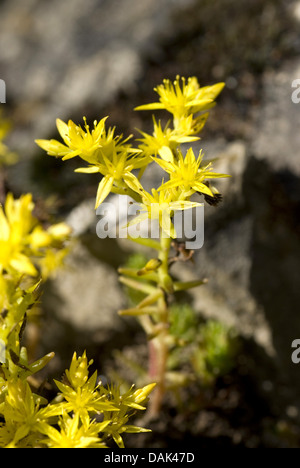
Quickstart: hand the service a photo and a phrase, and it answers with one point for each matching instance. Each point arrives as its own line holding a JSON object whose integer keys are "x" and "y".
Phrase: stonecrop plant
{"x": 185, "y": 176}
{"x": 84, "y": 413}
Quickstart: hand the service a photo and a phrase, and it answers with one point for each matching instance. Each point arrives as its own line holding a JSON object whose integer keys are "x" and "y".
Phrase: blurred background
{"x": 70, "y": 59}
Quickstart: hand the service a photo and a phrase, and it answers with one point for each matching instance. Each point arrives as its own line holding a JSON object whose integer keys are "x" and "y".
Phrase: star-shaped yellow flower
{"x": 151, "y": 145}
{"x": 183, "y": 97}
{"x": 88, "y": 144}
{"x": 106, "y": 154}
{"x": 160, "y": 206}
{"x": 186, "y": 173}
{"x": 74, "y": 435}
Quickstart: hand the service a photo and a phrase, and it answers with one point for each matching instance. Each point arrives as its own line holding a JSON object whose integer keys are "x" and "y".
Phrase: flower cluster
{"x": 29, "y": 253}
{"x": 25, "y": 245}
{"x": 27, "y": 419}
{"x": 185, "y": 176}
{"x": 116, "y": 159}
{"x": 69, "y": 421}
{"x": 105, "y": 153}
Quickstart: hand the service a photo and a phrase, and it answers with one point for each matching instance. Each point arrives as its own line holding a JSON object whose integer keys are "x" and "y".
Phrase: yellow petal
{"x": 63, "y": 130}
{"x": 104, "y": 189}
{"x": 152, "y": 106}
{"x": 198, "y": 187}
{"x": 184, "y": 139}
{"x": 59, "y": 231}
{"x": 166, "y": 154}
{"x": 22, "y": 264}
{"x": 39, "y": 238}
{"x": 138, "y": 219}
{"x": 88, "y": 170}
{"x": 132, "y": 182}
{"x": 53, "y": 147}
{"x": 211, "y": 92}
{"x": 199, "y": 103}
{"x": 183, "y": 205}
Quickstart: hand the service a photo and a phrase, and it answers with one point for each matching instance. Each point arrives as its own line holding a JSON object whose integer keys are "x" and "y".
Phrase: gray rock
{"x": 59, "y": 58}
{"x": 276, "y": 136}
{"x": 80, "y": 304}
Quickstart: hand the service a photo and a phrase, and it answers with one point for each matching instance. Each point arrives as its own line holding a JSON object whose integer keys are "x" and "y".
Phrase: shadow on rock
{"x": 274, "y": 201}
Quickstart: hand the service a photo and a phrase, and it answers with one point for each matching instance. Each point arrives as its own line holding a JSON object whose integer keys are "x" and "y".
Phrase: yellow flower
{"x": 22, "y": 414}
{"x": 117, "y": 172}
{"x": 182, "y": 97}
{"x": 85, "y": 398}
{"x": 15, "y": 225}
{"x": 81, "y": 393}
{"x": 151, "y": 145}
{"x": 106, "y": 154}
{"x": 160, "y": 206}
{"x": 130, "y": 400}
{"x": 187, "y": 126}
{"x": 136, "y": 399}
{"x": 78, "y": 142}
{"x": 186, "y": 173}
{"x": 78, "y": 373}
{"x": 89, "y": 145}
{"x": 26, "y": 423}
{"x": 74, "y": 435}
{"x": 23, "y": 239}
{"x": 51, "y": 261}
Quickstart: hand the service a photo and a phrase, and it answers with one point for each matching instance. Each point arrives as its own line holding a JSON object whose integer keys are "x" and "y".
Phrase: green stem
{"x": 165, "y": 280}
{"x": 159, "y": 345}
{"x": 151, "y": 243}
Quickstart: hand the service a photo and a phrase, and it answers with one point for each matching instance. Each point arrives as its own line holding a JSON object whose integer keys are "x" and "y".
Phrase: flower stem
{"x": 159, "y": 345}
